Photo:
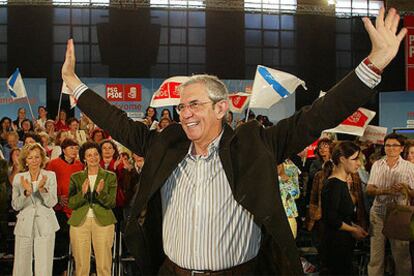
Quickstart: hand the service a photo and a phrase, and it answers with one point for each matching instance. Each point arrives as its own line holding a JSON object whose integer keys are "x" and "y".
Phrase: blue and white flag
{"x": 16, "y": 86}
{"x": 271, "y": 85}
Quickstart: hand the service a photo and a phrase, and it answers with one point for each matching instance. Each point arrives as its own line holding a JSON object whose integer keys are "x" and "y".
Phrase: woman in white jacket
{"x": 34, "y": 195}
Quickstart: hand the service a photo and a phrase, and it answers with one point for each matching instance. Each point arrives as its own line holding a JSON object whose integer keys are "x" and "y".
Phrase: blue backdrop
{"x": 36, "y": 90}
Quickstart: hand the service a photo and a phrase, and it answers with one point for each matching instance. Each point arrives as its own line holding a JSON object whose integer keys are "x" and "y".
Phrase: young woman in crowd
{"x": 98, "y": 135}
{"x": 60, "y": 123}
{"x": 34, "y": 195}
{"x": 165, "y": 113}
{"x": 164, "y": 122}
{"x": 42, "y": 118}
{"x": 21, "y": 115}
{"x": 92, "y": 194}
{"x": 5, "y": 128}
{"x": 74, "y": 132}
{"x": 27, "y": 127}
{"x": 50, "y": 130}
{"x": 111, "y": 161}
{"x": 338, "y": 209}
{"x": 150, "y": 116}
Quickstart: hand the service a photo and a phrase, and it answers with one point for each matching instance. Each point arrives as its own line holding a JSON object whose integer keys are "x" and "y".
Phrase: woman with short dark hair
{"x": 92, "y": 195}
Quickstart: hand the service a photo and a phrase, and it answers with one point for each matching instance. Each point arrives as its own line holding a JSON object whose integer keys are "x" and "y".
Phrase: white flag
{"x": 167, "y": 94}
{"x": 238, "y": 102}
{"x": 356, "y": 123}
{"x": 16, "y": 86}
{"x": 271, "y": 85}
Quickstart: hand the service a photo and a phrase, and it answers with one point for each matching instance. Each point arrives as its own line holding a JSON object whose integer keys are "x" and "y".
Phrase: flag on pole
{"x": 271, "y": 85}
{"x": 16, "y": 86}
{"x": 238, "y": 102}
{"x": 65, "y": 90}
{"x": 167, "y": 94}
{"x": 356, "y": 123}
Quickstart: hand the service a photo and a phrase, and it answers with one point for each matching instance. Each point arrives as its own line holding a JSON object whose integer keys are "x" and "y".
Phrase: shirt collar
{"x": 212, "y": 147}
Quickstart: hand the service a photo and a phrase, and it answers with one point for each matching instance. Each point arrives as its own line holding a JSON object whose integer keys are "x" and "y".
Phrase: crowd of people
{"x": 338, "y": 196}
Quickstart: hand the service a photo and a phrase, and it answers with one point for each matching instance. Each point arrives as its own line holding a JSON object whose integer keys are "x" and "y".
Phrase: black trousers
{"x": 61, "y": 244}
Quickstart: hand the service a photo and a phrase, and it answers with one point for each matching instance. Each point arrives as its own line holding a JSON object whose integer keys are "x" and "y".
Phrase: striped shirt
{"x": 383, "y": 177}
{"x": 204, "y": 228}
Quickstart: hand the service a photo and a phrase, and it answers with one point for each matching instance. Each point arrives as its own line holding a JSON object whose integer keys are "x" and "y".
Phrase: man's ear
{"x": 221, "y": 108}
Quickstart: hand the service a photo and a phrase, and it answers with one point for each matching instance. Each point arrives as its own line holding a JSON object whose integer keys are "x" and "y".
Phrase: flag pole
{"x": 60, "y": 103}
{"x": 247, "y": 113}
{"x": 30, "y": 108}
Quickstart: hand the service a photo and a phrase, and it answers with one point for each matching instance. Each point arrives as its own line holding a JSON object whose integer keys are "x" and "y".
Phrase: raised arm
{"x": 293, "y": 134}
{"x": 133, "y": 135}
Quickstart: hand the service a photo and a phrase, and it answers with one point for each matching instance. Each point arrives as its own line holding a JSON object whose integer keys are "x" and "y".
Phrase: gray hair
{"x": 216, "y": 89}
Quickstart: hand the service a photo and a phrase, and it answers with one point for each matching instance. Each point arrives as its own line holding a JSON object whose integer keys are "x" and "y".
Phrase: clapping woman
{"x": 34, "y": 195}
{"x": 92, "y": 195}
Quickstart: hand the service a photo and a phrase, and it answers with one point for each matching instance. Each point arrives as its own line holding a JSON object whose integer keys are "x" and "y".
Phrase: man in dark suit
{"x": 209, "y": 200}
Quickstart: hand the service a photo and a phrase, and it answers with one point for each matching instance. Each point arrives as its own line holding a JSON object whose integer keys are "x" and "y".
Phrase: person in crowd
{"x": 150, "y": 115}
{"x": 31, "y": 138}
{"x": 13, "y": 163}
{"x": 21, "y": 115}
{"x": 132, "y": 173}
{"x": 64, "y": 166}
{"x": 12, "y": 142}
{"x": 110, "y": 160}
{"x": 45, "y": 142}
{"x": 230, "y": 119}
{"x": 384, "y": 183}
{"x": 409, "y": 156}
{"x": 409, "y": 151}
{"x": 50, "y": 129}
{"x": 264, "y": 120}
{"x": 56, "y": 149}
{"x": 98, "y": 135}
{"x": 338, "y": 209}
{"x": 41, "y": 119}
{"x": 323, "y": 153}
{"x": 355, "y": 190}
{"x": 166, "y": 113}
{"x": 92, "y": 195}
{"x": 86, "y": 124}
{"x": 5, "y": 128}
{"x": 164, "y": 122}
{"x": 34, "y": 195}
{"x": 60, "y": 123}
{"x": 26, "y": 127}
{"x": 74, "y": 132}
{"x": 4, "y": 204}
{"x": 289, "y": 191}
{"x": 244, "y": 196}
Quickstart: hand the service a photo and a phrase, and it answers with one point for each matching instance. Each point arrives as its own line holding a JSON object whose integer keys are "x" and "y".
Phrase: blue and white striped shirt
{"x": 204, "y": 228}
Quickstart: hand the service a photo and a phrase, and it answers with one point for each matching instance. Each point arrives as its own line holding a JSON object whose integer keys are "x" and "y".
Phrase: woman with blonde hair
{"x": 34, "y": 195}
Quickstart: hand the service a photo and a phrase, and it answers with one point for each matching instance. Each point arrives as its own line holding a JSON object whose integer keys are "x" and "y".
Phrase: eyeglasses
{"x": 392, "y": 146}
{"x": 193, "y": 106}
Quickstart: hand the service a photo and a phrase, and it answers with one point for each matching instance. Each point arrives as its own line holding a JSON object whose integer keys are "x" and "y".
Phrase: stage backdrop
{"x": 134, "y": 96}
{"x": 396, "y": 109}
{"x": 36, "y": 90}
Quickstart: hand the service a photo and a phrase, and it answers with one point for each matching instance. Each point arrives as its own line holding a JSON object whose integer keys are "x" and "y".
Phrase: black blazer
{"x": 249, "y": 156}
